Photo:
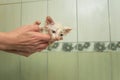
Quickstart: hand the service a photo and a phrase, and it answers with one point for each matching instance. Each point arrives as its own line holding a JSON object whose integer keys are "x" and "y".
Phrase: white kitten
{"x": 56, "y": 31}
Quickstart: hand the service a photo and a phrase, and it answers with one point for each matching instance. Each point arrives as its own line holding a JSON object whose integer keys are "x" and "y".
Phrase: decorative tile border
{"x": 85, "y": 46}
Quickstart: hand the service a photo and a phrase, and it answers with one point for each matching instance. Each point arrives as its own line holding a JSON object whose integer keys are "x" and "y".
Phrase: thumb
{"x": 35, "y": 26}
{"x": 37, "y": 23}
{"x": 42, "y": 36}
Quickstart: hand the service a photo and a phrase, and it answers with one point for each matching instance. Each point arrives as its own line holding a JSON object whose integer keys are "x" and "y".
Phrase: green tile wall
{"x": 9, "y": 66}
{"x": 91, "y": 63}
{"x": 60, "y": 66}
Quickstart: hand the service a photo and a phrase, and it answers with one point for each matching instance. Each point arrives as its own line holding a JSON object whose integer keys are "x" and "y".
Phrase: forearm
{"x": 3, "y": 41}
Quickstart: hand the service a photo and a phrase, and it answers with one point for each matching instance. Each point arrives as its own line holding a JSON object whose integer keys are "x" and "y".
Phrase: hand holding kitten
{"x": 28, "y": 39}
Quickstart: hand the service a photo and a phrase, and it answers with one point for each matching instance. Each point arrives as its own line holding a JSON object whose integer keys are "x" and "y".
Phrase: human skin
{"x": 24, "y": 40}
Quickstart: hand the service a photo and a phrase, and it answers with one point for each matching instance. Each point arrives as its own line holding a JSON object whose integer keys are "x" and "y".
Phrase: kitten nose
{"x": 58, "y": 38}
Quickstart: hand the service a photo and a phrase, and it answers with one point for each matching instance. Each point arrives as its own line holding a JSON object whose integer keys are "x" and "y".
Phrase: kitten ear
{"x": 49, "y": 20}
{"x": 67, "y": 30}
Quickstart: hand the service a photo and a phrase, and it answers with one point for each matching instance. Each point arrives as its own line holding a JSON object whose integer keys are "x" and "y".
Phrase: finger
{"x": 42, "y": 37}
{"x": 45, "y": 37}
{"x": 41, "y": 42}
{"x": 42, "y": 46}
{"x": 22, "y": 53}
{"x": 37, "y": 23}
{"x": 51, "y": 42}
{"x": 35, "y": 28}
{"x": 39, "y": 50}
{"x": 26, "y": 54}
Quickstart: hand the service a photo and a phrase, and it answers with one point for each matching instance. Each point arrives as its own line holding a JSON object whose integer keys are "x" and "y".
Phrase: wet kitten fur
{"x": 56, "y": 31}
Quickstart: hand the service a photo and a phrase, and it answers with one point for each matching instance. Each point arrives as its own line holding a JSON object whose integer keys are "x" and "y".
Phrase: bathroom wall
{"x": 89, "y": 52}
{"x": 9, "y": 20}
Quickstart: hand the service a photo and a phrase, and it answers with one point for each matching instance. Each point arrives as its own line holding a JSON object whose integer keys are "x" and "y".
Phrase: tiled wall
{"x": 89, "y": 52}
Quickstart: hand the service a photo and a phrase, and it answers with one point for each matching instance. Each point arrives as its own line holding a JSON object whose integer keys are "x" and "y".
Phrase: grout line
{"x": 109, "y": 23}
{"x": 20, "y": 63}
{"x": 21, "y": 13}
{"x": 47, "y": 8}
{"x": 77, "y": 55}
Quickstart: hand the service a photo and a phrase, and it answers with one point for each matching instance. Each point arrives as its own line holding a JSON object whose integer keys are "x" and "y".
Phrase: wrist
{"x": 4, "y": 41}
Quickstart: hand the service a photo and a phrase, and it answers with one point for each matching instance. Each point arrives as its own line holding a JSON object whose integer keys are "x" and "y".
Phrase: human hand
{"x": 26, "y": 40}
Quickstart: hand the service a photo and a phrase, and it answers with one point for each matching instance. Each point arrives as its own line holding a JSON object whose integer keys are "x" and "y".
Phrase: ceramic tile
{"x": 9, "y": 20}
{"x": 9, "y": 1}
{"x": 9, "y": 66}
{"x": 64, "y": 46}
{"x": 32, "y": 0}
{"x": 114, "y": 20}
{"x": 64, "y": 12}
{"x": 98, "y": 46}
{"x": 28, "y": 0}
{"x": 62, "y": 66}
{"x": 115, "y": 65}
{"x": 93, "y": 20}
{"x": 34, "y": 67}
{"x": 34, "y": 11}
{"x": 9, "y": 17}
{"x": 96, "y": 63}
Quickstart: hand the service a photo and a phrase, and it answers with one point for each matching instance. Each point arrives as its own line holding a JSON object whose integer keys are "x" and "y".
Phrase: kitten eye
{"x": 61, "y": 34}
{"x": 53, "y": 31}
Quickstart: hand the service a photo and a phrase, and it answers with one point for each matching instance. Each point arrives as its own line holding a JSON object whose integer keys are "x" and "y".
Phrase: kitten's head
{"x": 57, "y": 31}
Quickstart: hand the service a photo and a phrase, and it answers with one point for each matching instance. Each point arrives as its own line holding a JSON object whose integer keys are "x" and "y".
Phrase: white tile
{"x": 9, "y": 66}
{"x": 62, "y": 66}
{"x": 34, "y": 67}
{"x": 32, "y": 0}
{"x": 96, "y": 63}
{"x": 29, "y": 0}
{"x": 9, "y": 17}
{"x": 64, "y": 12}
{"x": 115, "y": 65}
{"x": 9, "y": 20}
{"x": 115, "y": 19}
{"x": 34, "y": 11}
{"x": 93, "y": 20}
{"x": 9, "y": 1}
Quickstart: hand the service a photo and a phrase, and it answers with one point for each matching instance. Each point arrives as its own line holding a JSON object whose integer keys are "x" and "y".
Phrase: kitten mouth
{"x": 59, "y": 39}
